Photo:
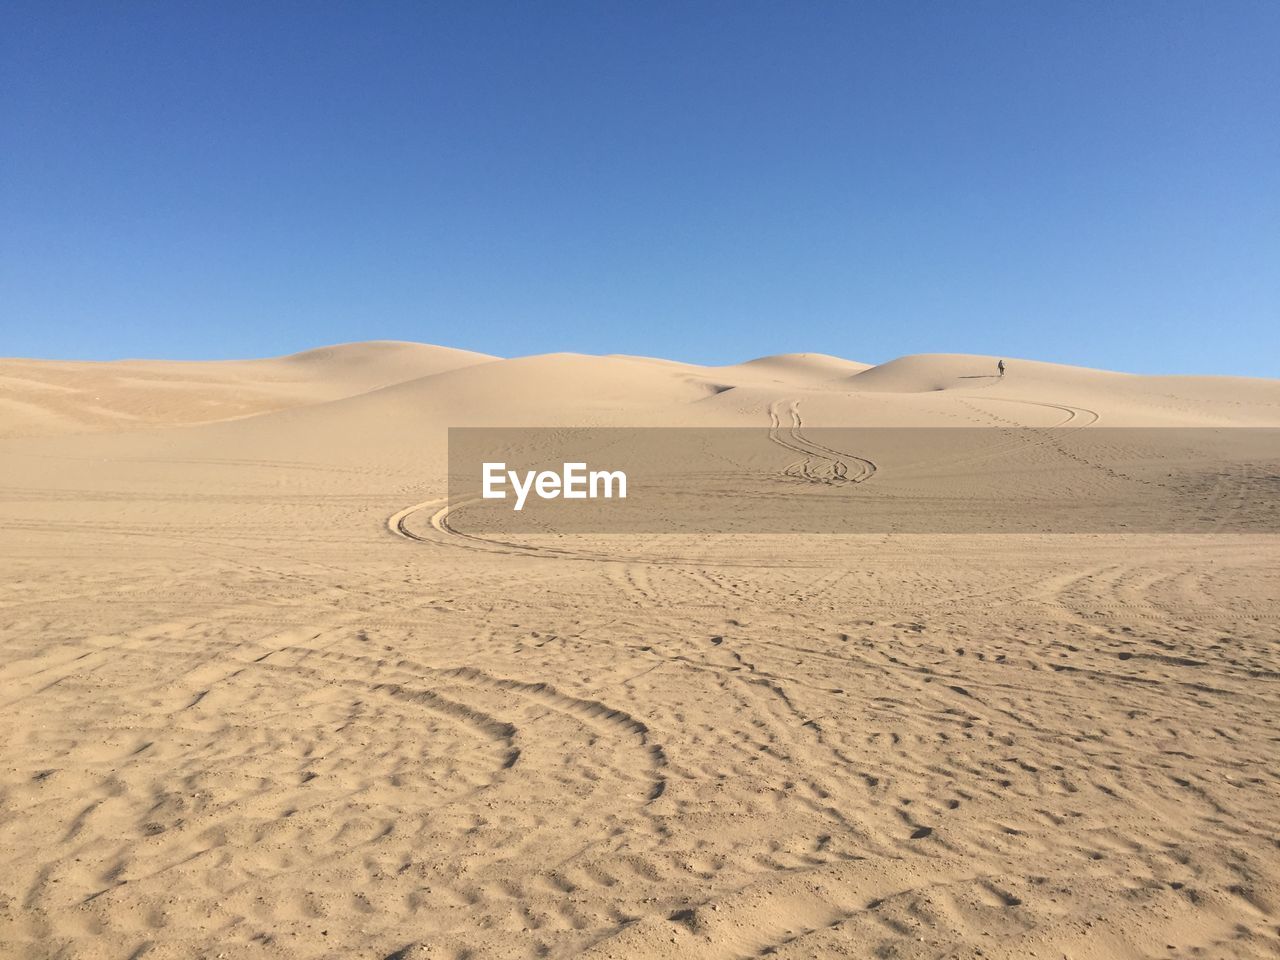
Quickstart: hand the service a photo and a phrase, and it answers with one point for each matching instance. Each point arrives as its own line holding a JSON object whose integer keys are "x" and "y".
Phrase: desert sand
{"x": 259, "y": 699}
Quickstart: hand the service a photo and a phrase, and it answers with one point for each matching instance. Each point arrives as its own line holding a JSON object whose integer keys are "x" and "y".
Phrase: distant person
{"x": 1000, "y": 367}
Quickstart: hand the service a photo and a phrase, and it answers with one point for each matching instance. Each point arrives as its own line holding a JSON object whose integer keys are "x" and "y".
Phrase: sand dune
{"x": 40, "y": 397}
{"x": 391, "y": 385}
{"x": 260, "y": 698}
{"x": 815, "y": 369}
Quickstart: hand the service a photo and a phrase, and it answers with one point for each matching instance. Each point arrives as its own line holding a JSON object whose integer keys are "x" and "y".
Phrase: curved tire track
{"x": 821, "y": 464}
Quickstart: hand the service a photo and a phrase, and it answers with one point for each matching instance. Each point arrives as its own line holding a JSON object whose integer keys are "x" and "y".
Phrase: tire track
{"x": 821, "y": 463}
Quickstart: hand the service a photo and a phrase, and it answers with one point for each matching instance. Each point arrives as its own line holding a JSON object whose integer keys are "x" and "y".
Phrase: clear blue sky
{"x": 1093, "y": 183}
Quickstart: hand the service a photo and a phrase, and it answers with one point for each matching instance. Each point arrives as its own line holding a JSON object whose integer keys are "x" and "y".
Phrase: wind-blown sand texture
{"x": 257, "y": 700}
